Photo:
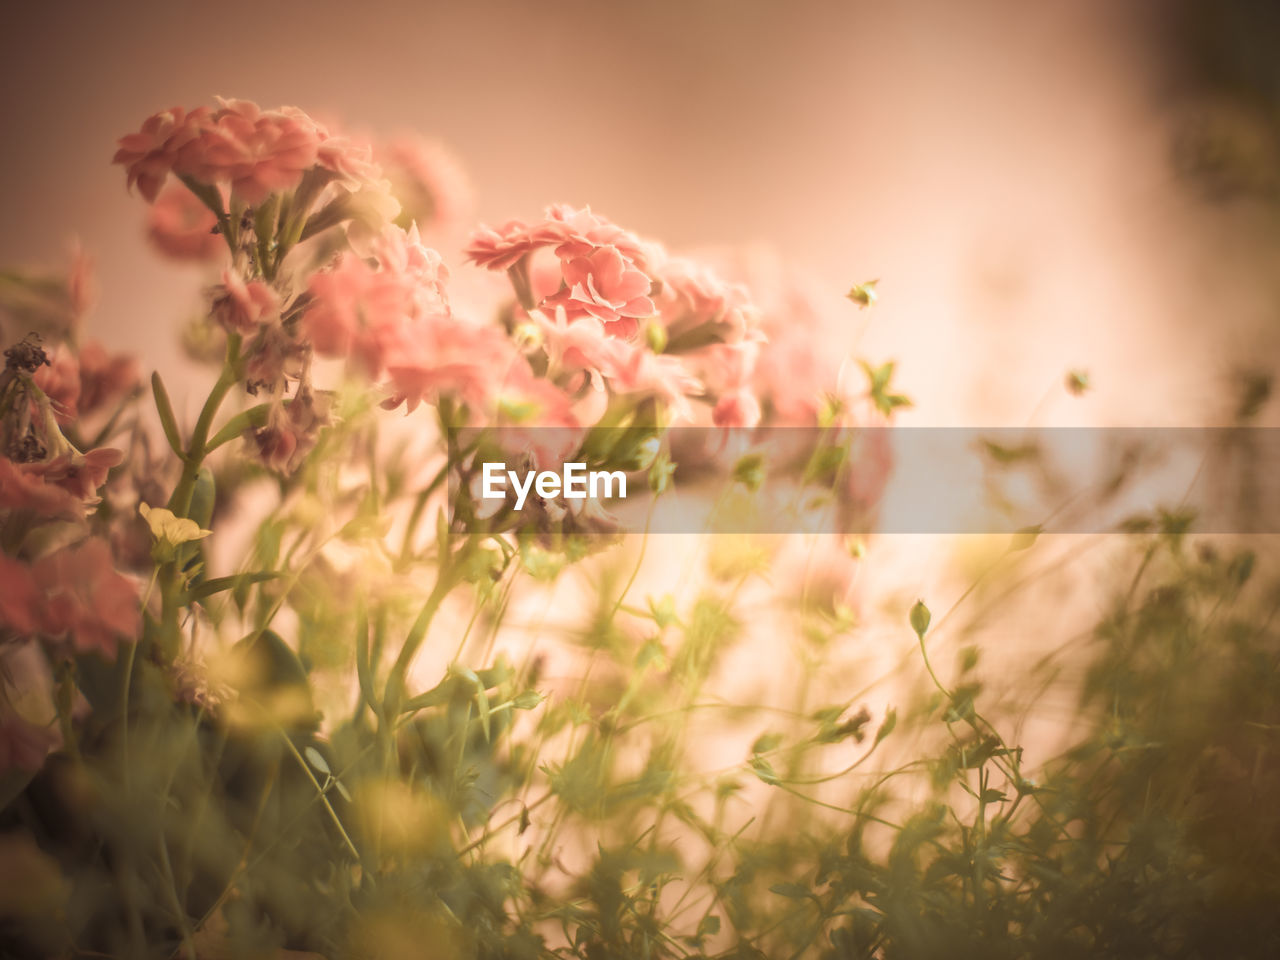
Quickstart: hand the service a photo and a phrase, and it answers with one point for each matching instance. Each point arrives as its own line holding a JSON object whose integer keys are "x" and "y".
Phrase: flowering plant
{"x": 221, "y": 731}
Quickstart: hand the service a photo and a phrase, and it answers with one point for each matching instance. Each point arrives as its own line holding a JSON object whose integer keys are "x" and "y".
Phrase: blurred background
{"x": 1038, "y": 187}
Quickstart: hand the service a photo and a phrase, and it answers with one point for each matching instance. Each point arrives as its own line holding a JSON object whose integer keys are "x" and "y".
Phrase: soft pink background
{"x": 1003, "y": 167}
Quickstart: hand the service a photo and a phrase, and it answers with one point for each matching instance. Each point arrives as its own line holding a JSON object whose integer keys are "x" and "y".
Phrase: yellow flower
{"x": 169, "y": 530}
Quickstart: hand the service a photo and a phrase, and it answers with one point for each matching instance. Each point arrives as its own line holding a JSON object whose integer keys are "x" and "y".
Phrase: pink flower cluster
{"x": 250, "y": 151}
{"x": 428, "y": 181}
{"x": 73, "y": 593}
{"x": 604, "y": 285}
{"x": 85, "y": 383}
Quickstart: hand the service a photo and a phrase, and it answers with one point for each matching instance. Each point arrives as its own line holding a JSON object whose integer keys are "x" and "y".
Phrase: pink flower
{"x": 429, "y": 181}
{"x": 606, "y": 285}
{"x": 357, "y": 310}
{"x": 23, "y": 488}
{"x": 24, "y": 745}
{"x": 79, "y": 474}
{"x": 60, "y": 381}
{"x": 240, "y": 307}
{"x": 291, "y": 432}
{"x": 370, "y": 313}
{"x": 693, "y": 295}
{"x": 20, "y": 599}
{"x": 105, "y": 378}
{"x": 580, "y": 232}
{"x": 85, "y": 598}
{"x": 81, "y": 283}
{"x": 635, "y": 369}
{"x": 252, "y": 152}
{"x": 182, "y": 227}
{"x": 578, "y": 344}
{"x": 256, "y": 152}
{"x": 447, "y": 357}
{"x": 502, "y": 248}
{"x": 739, "y": 408}
{"x": 351, "y": 161}
{"x": 149, "y": 154}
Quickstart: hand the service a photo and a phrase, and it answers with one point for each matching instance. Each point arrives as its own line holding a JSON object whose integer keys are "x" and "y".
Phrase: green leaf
{"x": 218, "y": 584}
{"x": 749, "y": 471}
{"x": 252, "y": 419}
{"x": 709, "y": 926}
{"x": 886, "y": 727}
{"x": 864, "y": 294}
{"x": 766, "y": 742}
{"x": 792, "y": 891}
{"x": 168, "y": 421}
{"x": 764, "y": 770}
{"x": 317, "y": 760}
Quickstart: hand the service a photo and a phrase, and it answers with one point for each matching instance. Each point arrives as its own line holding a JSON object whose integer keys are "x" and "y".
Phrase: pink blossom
{"x": 370, "y": 313}
{"x": 448, "y": 357}
{"x": 20, "y": 599}
{"x": 606, "y": 285}
{"x": 149, "y": 154}
{"x": 80, "y": 474}
{"x": 350, "y": 161}
{"x": 24, "y": 488}
{"x": 256, "y": 152}
{"x": 634, "y": 369}
{"x": 182, "y": 227}
{"x": 24, "y": 745}
{"x": 694, "y": 295}
{"x": 578, "y": 344}
{"x": 81, "y": 283}
{"x": 357, "y": 310}
{"x": 252, "y": 152}
{"x": 104, "y": 377}
{"x": 85, "y": 598}
{"x": 60, "y": 381}
{"x": 502, "y": 248}
{"x": 580, "y": 232}
{"x": 241, "y": 306}
{"x": 739, "y": 408}
{"x": 429, "y": 181}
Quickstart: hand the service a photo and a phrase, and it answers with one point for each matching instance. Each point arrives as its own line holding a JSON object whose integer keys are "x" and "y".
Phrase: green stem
{"x": 180, "y": 502}
{"x": 393, "y": 694}
{"x": 169, "y": 576}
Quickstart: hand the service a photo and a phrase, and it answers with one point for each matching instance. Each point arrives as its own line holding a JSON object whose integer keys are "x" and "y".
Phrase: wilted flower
{"x": 291, "y": 431}
{"x": 240, "y": 305}
{"x": 60, "y": 381}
